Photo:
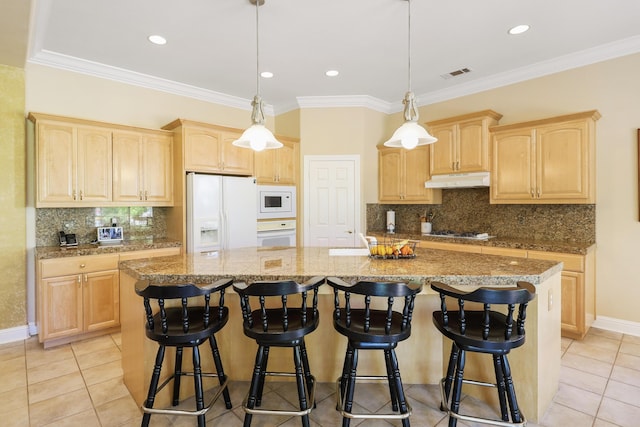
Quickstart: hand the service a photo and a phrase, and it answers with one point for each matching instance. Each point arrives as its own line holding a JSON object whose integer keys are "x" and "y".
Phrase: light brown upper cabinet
{"x": 463, "y": 143}
{"x": 73, "y": 163}
{"x": 209, "y": 149}
{"x": 402, "y": 174}
{"x": 279, "y": 166}
{"x": 143, "y": 168}
{"x": 545, "y": 161}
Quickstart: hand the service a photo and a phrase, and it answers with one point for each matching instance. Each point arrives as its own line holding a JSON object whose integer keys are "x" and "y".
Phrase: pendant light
{"x": 257, "y": 136}
{"x": 410, "y": 134}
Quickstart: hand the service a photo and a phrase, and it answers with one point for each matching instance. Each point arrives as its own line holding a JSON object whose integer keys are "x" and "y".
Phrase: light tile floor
{"x": 80, "y": 384}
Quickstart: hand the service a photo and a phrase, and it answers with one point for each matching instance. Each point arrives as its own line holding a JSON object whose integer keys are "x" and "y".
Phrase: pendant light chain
{"x": 257, "y": 50}
{"x": 409, "y": 43}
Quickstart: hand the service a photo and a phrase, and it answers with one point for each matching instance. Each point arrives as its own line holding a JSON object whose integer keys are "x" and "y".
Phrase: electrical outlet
{"x": 550, "y": 299}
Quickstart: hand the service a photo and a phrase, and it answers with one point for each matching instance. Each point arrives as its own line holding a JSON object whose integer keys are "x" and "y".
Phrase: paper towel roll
{"x": 391, "y": 221}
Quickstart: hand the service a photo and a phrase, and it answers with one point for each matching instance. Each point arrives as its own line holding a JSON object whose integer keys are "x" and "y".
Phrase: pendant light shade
{"x": 410, "y": 134}
{"x": 257, "y": 136}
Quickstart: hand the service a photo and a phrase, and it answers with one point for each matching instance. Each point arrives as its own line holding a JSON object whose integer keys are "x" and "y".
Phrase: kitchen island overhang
{"x": 536, "y": 366}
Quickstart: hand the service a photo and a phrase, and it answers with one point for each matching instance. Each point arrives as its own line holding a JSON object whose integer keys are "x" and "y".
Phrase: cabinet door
{"x": 513, "y": 168}
{"x": 416, "y": 164}
{"x": 101, "y": 300}
{"x": 265, "y": 166}
{"x": 562, "y": 163}
{"x": 572, "y": 312}
{"x": 157, "y": 170}
{"x": 56, "y": 168}
{"x": 94, "y": 164}
{"x": 127, "y": 164}
{"x": 288, "y": 161}
{"x": 390, "y": 175}
{"x": 443, "y": 151}
{"x": 202, "y": 150}
{"x": 235, "y": 160}
{"x": 473, "y": 146}
{"x": 61, "y": 307}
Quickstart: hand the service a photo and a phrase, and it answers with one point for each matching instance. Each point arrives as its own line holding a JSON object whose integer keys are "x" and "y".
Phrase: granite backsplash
{"x": 137, "y": 223}
{"x": 469, "y": 210}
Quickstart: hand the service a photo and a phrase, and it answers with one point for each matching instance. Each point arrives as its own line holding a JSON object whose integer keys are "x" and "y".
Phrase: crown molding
{"x": 582, "y": 58}
{"x": 121, "y": 75}
{"x": 366, "y": 101}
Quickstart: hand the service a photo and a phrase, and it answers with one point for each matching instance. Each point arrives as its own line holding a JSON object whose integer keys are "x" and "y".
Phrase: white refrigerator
{"x": 221, "y": 212}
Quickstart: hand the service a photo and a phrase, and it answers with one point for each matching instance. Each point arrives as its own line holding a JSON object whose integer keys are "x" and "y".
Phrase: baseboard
{"x": 617, "y": 325}
{"x": 18, "y": 333}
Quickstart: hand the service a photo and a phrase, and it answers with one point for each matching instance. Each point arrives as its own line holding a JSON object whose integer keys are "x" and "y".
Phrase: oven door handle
{"x": 276, "y": 233}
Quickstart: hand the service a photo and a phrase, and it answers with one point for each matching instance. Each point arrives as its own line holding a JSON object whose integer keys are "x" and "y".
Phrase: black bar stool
{"x": 483, "y": 331}
{"x": 187, "y": 324}
{"x": 372, "y": 329}
{"x": 276, "y": 323}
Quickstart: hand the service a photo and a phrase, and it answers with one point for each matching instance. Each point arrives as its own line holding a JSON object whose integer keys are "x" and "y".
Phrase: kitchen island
{"x": 535, "y": 366}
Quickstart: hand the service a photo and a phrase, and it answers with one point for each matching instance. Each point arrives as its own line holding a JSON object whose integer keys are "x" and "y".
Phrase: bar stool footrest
{"x": 169, "y": 411}
{"x": 311, "y": 398}
{"x": 390, "y": 416}
{"x": 444, "y": 406}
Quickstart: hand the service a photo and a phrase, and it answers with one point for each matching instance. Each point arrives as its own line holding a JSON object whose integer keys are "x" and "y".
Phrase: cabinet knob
{"x": 74, "y": 194}
{"x": 83, "y": 265}
{"x": 140, "y": 195}
{"x": 81, "y": 195}
{"x": 146, "y": 194}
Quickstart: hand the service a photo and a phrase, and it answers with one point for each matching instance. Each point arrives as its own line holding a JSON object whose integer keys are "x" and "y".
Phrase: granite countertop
{"x": 300, "y": 264}
{"x": 48, "y": 252}
{"x": 580, "y": 248}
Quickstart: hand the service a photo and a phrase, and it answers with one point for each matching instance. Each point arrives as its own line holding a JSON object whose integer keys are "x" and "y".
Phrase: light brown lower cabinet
{"x": 577, "y": 282}
{"x": 79, "y": 297}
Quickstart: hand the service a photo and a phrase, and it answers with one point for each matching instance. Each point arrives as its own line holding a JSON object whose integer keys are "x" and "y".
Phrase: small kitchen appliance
{"x": 110, "y": 235}
{"x": 276, "y": 201}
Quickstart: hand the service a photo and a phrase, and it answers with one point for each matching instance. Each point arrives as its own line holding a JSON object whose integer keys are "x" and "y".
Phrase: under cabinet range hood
{"x": 459, "y": 180}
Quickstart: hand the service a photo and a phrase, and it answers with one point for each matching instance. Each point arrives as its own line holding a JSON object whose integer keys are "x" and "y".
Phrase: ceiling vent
{"x": 456, "y": 73}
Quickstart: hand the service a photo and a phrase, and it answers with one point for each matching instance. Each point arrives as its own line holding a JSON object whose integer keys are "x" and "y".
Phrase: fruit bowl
{"x": 393, "y": 249}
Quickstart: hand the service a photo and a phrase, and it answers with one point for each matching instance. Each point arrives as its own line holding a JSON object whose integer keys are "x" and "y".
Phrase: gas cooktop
{"x": 472, "y": 235}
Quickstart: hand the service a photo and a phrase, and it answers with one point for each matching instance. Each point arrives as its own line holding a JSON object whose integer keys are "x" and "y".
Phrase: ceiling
{"x": 211, "y": 48}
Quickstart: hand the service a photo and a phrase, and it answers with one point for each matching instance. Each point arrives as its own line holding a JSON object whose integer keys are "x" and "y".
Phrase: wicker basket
{"x": 393, "y": 249}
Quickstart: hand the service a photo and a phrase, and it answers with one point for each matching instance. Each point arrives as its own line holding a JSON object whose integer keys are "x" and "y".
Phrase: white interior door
{"x": 332, "y": 201}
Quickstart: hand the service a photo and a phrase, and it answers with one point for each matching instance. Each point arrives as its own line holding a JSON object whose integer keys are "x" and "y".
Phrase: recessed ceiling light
{"x": 266, "y": 74}
{"x": 156, "y": 39}
{"x": 332, "y": 73}
{"x": 519, "y": 29}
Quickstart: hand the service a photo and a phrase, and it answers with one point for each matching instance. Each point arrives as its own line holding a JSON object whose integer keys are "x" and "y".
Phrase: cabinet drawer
{"x": 451, "y": 246}
{"x": 520, "y": 253}
{"x": 78, "y": 264}
{"x": 571, "y": 262}
{"x": 149, "y": 253}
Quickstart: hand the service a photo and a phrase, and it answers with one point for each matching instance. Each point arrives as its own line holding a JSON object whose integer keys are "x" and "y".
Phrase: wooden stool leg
{"x": 153, "y": 386}
{"x": 346, "y": 367}
{"x": 300, "y": 383}
{"x": 392, "y": 384}
{"x": 306, "y": 368}
{"x": 351, "y": 386}
{"x": 255, "y": 383}
{"x": 511, "y": 392}
{"x": 197, "y": 384}
{"x": 451, "y": 368}
{"x": 402, "y": 401}
{"x": 177, "y": 376}
{"x": 219, "y": 369}
{"x": 497, "y": 365}
{"x": 263, "y": 370}
{"x": 457, "y": 387}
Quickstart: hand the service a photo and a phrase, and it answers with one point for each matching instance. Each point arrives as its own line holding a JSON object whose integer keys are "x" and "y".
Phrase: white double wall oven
{"x": 276, "y": 215}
